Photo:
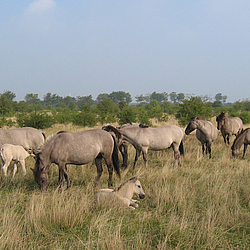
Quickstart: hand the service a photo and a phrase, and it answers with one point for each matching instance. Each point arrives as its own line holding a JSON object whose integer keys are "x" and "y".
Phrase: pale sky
{"x": 79, "y": 48}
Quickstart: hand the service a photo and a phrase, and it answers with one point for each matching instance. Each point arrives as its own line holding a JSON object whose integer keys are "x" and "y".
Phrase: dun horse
{"x": 122, "y": 195}
{"x": 29, "y": 138}
{"x": 228, "y": 126}
{"x": 78, "y": 149}
{"x": 242, "y": 138}
{"x": 123, "y": 144}
{"x": 206, "y": 132}
{"x": 145, "y": 138}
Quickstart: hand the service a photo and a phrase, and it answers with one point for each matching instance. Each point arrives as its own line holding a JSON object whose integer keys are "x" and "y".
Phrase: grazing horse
{"x": 78, "y": 149}
{"x": 29, "y": 138}
{"x": 122, "y": 195}
{"x": 206, "y": 132}
{"x": 228, "y": 126}
{"x": 145, "y": 138}
{"x": 9, "y": 152}
{"x": 242, "y": 138}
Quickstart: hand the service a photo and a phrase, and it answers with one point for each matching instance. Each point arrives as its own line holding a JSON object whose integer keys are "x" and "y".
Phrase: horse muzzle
{"x": 141, "y": 196}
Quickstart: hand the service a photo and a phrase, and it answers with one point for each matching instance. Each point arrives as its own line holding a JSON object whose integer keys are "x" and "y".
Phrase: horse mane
{"x": 110, "y": 128}
{"x": 193, "y": 118}
{"x": 124, "y": 183}
{"x": 127, "y": 124}
{"x": 221, "y": 116}
{"x": 49, "y": 138}
{"x": 239, "y": 137}
{"x": 143, "y": 126}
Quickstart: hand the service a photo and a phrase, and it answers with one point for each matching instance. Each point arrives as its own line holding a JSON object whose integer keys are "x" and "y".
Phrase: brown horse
{"x": 78, "y": 149}
{"x": 206, "y": 132}
{"x": 228, "y": 126}
{"x": 242, "y": 138}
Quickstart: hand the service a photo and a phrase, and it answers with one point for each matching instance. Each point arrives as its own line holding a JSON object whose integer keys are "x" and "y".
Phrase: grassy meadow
{"x": 202, "y": 205}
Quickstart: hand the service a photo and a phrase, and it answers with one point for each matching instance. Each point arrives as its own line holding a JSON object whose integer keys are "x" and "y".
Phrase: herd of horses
{"x": 84, "y": 147}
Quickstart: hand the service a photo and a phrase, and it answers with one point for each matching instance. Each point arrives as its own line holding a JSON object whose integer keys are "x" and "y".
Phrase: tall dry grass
{"x": 202, "y": 205}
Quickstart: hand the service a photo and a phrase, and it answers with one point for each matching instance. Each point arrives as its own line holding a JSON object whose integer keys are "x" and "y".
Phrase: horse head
{"x": 138, "y": 190}
{"x": 220, "y": 120}
{"x": 40, "y": 173}
{"x": 193, "y": 124}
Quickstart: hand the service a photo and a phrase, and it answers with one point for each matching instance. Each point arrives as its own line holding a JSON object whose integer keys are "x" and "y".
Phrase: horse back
{"x": 237, "y": 125}
{"x": 27, "y": 137}
{"x": 79, "y": 148}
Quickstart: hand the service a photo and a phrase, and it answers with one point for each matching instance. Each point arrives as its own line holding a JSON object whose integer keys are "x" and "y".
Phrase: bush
{"x": 192, "y": 107}
{"x": 245, "y": 117}
{"x": 84, "y": 119}
{"x": 35, "y": 120}
{"x": 127, "y": 115}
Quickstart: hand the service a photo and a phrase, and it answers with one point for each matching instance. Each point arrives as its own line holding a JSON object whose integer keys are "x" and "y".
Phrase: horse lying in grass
{"x": 9, "y": 152}
{"x": 122, "y": 196}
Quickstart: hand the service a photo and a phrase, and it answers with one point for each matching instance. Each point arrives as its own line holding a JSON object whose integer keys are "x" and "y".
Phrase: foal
{"x": 122, "y": 196}
{"x": 9, "y": 152}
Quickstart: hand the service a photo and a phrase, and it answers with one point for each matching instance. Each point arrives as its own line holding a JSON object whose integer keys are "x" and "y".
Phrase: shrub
{"x": 127, "y": 115}
{"x": 84, "y": 119}
{"x": 192, "y": 107}
{"x": 35, "y": 120}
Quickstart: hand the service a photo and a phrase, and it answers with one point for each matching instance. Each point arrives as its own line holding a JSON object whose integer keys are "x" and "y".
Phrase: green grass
{"x": 202, "y": 205}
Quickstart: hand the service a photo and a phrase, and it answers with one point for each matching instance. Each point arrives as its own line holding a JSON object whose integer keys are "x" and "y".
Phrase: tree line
{"x": 114, "y": 107}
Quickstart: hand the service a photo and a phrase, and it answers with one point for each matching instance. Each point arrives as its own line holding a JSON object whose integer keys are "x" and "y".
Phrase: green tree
{"x": 9, "y": 95}
{"x": 192, "y": 107}
{"x": 154, "y": 109}
{"x": 160, "y": 97}
{"x": 81, "y": 100}
{"x": 51, "y": 100}
{"x": 127, "y": 115}
{"x": 107, "y": 111}
{"x": 118, "y": 96}
{"x": 173, "y": 97}
{"x": 32, "y": 99}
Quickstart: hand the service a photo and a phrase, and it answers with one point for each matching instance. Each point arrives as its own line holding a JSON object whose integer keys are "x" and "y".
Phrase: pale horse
{"x": 206, "y": 132}
{"x": 122, "y": 196}
{"x": 16, "y": 153}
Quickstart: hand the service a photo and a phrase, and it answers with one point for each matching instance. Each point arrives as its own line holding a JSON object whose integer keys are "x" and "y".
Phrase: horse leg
{"x": 137, "y": 154}
{"x": 99, "y": 168}
{"x": 63, "y": 173}
{"x": 14, "y": 169}
{"x": 224, "y": 138}
{"x": 209, "y": 149}
{"x": 177, "y": 154}
{"x": 22, "y": 162}
{"x": 124, "y": 151}
{"x": 244, "y": 151}
{"x": 145, "y": 156}
{"x": 110, "y": 170}
{"x": 228, "y": 140}
{"x": 203, "y": 148}
{"x": 5, "y": 166}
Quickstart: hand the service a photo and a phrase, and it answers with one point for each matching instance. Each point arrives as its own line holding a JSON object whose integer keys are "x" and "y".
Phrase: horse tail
{"x": 115, "y": 157}
{"x": 181, "y": 148}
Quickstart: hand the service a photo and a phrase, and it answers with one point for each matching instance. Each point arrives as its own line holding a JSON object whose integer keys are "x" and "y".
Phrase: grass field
{"x": 202, "y": 205}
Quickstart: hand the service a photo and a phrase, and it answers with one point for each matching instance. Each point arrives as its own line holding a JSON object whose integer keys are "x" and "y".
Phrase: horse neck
{"x": 239, "y": 140}
{"x": 125, "y": 191}
{"x": 227, "y": 123}
{"x": 202, "y": 126}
